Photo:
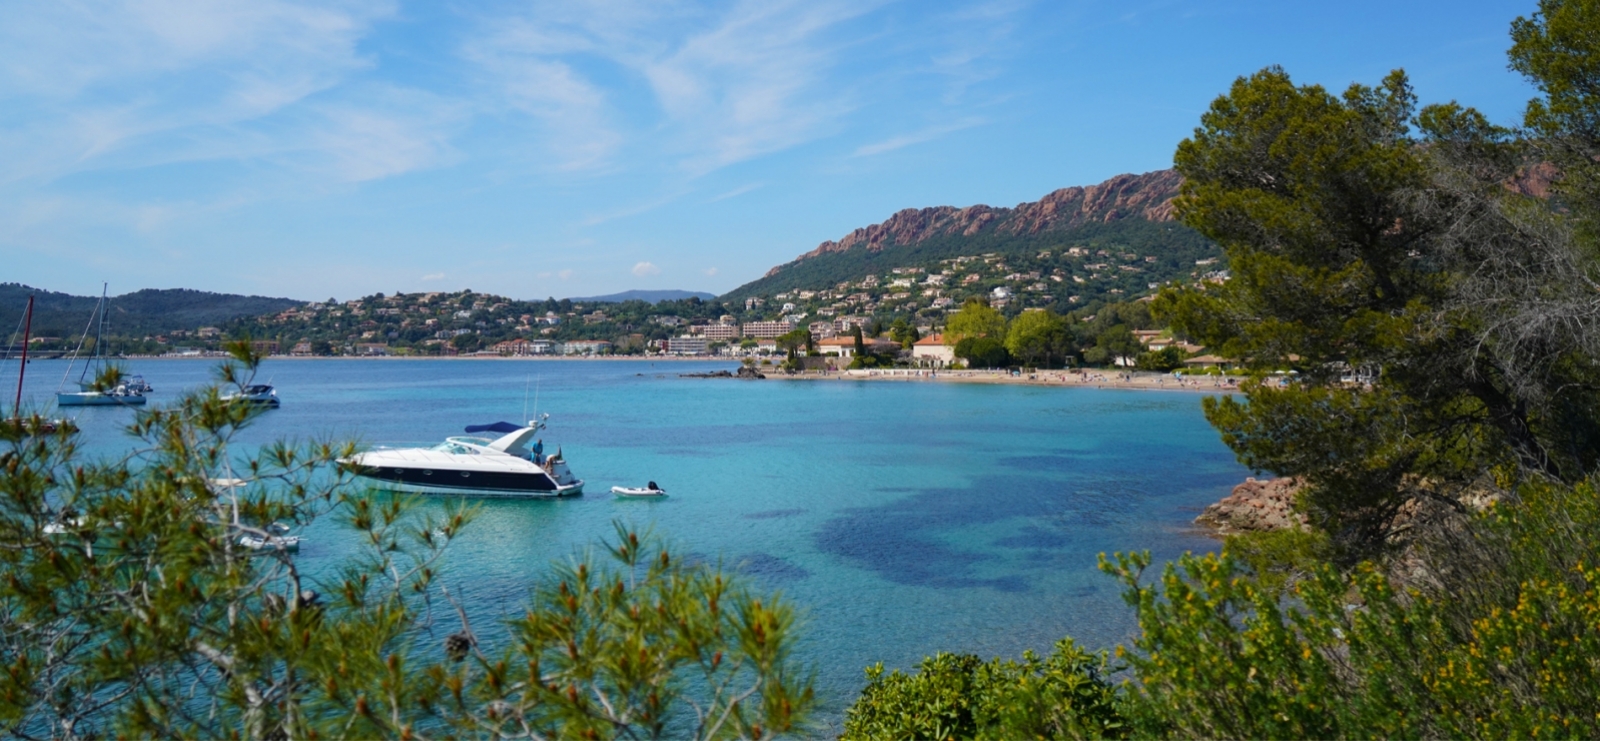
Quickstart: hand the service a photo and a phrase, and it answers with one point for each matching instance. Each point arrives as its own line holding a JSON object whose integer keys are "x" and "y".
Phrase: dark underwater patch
{"x": 772, "y": 514}
{"x": 771, "y": 568}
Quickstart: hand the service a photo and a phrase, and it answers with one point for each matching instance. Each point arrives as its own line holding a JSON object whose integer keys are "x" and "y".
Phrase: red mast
{"x": 27, "y": 327}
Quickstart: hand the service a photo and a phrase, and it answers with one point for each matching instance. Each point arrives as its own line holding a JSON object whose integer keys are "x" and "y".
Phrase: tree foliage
{"x": 1362, "y": 233}
{"x": 976, "y": 320}
{"x": 982, "y": 352}
{"x": 1499, "y": 643}
{"x": 1065, "y": 695}
{"x": 1168, "y": 358}
{"x": 1038, "y": 337}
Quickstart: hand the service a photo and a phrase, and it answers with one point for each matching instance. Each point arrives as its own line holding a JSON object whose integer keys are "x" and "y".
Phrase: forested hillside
{"x": 145, "y": 312}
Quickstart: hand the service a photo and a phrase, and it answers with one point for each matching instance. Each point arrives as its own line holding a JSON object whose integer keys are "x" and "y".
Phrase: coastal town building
{"x": 687, "y": 345}
{"x": 845, "y": 346}
{"x": 716, "y": 332}
{"x": 585, "y": 347}
{"x": 822, "y": 330}
{"x": 762, "y": 330}
{"x": 1208, "y": 361}
{"x": 931, "y": 352}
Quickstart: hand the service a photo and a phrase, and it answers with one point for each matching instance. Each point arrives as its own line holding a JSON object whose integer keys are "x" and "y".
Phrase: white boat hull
{"x": 466, "y": 466}
{"x": 623, "y": 491}
{"x": 97, "y": 399}
{"x": 570, "y": 490}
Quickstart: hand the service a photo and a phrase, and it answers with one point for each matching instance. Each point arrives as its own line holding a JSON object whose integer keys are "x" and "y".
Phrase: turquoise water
{"x": 903, "y": 518}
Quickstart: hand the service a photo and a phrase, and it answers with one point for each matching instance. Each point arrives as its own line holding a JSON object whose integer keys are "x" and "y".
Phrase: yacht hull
{"x": 471, "y": 466}
{"x": 468, "y": 483}
{"x": 96, "y": 399}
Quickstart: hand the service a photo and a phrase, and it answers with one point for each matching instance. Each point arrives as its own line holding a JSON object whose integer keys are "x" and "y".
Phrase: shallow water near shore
{"x": 902, "y": 518}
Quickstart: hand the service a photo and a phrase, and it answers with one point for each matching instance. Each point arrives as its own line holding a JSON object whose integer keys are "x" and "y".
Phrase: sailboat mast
{"x": 27, "y": 329}
{"x": 99, "y": 330}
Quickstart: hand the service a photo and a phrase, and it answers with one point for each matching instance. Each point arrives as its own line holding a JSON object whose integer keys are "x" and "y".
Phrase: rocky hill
{"x": 1127, "y": 211}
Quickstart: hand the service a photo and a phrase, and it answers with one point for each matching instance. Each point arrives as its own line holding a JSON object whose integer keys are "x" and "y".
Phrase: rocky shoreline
{"x": 744, "y": 371}
{"x": 1255, "y": 506}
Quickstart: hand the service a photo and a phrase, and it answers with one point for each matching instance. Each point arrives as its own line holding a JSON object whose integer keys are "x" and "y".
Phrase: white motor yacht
{"x": 473, "y": 466}
{"x": 261, "y": 394}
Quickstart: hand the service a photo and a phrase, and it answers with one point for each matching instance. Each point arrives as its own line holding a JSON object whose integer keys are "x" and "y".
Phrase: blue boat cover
{"x": 496, "y": 427}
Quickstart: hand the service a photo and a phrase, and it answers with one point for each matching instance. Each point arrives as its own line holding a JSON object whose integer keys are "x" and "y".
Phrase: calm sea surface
{"x": 903, "y": 518}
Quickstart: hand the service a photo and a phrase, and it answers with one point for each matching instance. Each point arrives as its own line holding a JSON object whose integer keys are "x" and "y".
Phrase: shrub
{"x": 1163, "y": 360}
{"x": 1065, "y": 695}
{"x": 1497, "y": 638}
{"x": 982, "y": 352}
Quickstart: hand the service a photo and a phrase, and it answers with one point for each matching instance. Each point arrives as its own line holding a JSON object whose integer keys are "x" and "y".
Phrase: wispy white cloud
{"x": 710, "y": 271}
{"x": 756, "y": 82}
{"x": 918, "y": 137}
{"x": 646, "y": 269}
{"x": 384, "y": 132}
{"x": 736, "y": 192}
{"x": 130, "y": 83}
{"x": 730, "y": 84}
{"x": 634, "y": 210}
{"x": 432, "y": 277}
{"x": 572, "y": 111}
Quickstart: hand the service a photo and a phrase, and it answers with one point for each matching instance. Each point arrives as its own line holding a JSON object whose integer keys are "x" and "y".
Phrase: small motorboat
{"x": 277, "y": 538}
{"x": 649, "y": 490}
{"x": 261, "y": 394}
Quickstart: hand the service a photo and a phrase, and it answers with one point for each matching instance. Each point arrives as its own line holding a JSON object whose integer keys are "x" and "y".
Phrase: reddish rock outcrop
{"x": 1148, "y": 196}
{"x": 1255, "y": 505}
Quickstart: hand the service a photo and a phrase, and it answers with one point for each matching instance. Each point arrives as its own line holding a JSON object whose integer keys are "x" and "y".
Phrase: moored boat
{"x": 128, "y": 391}
{"x": 260, "y": 394}
{"x": 649, "y": 490}
{"x": 504, "y": 466}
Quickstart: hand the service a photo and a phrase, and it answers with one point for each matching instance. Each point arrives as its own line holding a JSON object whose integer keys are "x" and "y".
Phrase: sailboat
{"x": 16, "y": 421}
{"x": 123, "y": 394}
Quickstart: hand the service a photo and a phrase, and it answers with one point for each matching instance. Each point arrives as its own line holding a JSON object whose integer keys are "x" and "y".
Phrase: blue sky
{"x": 346, "y": 147}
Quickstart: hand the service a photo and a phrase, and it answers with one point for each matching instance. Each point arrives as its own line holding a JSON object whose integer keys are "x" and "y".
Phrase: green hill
{"x": 133, "y": 315}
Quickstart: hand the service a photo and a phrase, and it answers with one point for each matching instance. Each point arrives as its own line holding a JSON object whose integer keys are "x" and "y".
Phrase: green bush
{"x": 1163, "y": 360}
{"x": 982, "y": 352}
{"x": 1065, "y": 695}
{"x": 1497, "y": 638}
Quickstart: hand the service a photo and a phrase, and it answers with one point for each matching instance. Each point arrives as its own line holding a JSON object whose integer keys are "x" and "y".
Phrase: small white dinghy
{"x": 277, "y": 538}
{"x": 650, "y": 490}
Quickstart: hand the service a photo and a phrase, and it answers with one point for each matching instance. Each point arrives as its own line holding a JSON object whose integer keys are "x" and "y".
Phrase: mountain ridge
{"x": 1128, "y": 213}
{"x": 1148, "y": 195}
{"x": 648, "y": 295}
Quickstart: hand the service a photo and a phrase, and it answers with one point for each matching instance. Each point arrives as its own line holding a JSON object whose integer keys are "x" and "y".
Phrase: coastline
{"x": 1070, "y": 378}
{"x": 1142, "y": 381}
{"x": 561, "y": 358}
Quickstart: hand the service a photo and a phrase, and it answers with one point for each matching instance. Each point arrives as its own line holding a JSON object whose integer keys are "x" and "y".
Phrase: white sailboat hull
{"x": 97, "y": 399}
